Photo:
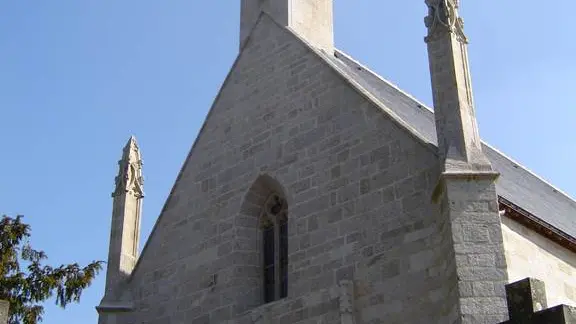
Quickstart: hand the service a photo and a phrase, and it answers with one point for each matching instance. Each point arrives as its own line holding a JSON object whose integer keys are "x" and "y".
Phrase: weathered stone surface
{"x": 525, "y": 297}
{"x": 124, "y": 230}
{"x": 529, "y": 254}
{"x": 473, "y": 237}
{"x": 359, "y": 207}
{"x": 366, "y": 243}
{"x": 527, "y": 305}
{"x": 4, "y": 308}
{"x": 310, "y": 19}
{"x": 472, "y": 234}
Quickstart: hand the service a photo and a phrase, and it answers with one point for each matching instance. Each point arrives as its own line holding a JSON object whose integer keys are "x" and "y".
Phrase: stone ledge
{"x": 467, "y": 175}
{"x": 470, "y": 175}
{"x": 340, "y": 296}
{"x": 114, "y": 308}
{"x": 561, "y": 314}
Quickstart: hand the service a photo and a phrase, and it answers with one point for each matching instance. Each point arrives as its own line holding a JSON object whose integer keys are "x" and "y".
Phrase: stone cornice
{"x": 114, "y": 308}
{"x": 470, "y": 175}
{"x": 466, "y": 175}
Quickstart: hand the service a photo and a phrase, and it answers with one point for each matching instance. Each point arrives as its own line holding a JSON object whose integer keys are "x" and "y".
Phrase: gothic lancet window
{"x": 274, "y": 227}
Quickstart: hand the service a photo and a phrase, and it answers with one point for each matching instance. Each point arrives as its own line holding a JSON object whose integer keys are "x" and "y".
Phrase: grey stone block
{"x": 4, "y": 309}
{"x": 525, "y": 297}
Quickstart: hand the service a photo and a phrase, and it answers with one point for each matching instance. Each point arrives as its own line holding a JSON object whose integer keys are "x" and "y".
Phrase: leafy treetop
{"x": 25, "y": 282}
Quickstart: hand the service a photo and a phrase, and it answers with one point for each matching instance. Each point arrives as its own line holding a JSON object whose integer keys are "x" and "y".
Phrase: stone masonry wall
{"x": 528, "y": 254}
{"x": 359, "y": 204}
{"x": 471, "y": 205}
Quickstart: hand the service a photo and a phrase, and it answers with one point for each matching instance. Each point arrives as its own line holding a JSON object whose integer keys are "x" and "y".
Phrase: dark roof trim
{"x": 525, "y": 218}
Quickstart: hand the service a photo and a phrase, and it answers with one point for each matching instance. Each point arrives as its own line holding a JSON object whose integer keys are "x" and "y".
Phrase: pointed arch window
{"x": 274, "y": 226}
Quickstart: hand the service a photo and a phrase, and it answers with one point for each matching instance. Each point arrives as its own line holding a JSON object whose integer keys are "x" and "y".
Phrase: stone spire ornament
{"x": 443, "y": 18}
{"x": 466, "y": 190}
{"x": 459, "y": 142}
{"x": 125, "y": 228}
{"x": 129, "y": 179}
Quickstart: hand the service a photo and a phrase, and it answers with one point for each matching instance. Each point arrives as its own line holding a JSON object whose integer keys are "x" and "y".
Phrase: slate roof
{"x": 515, "y": 184}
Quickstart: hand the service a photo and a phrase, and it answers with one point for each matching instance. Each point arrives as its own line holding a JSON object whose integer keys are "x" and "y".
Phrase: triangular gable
{"x": 516, "y": 183}
{"x": 329, "y": 64}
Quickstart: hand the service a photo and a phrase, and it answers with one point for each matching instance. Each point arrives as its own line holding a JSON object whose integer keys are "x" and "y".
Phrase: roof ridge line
{"x": 362, "y": 91}
{"x": 390, "y": 83}
{"x": 532, "y": 173}
{"x": 190, "y": 151}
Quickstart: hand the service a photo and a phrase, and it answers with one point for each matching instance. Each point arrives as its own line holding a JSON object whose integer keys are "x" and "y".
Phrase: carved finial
{"x": 443, "y": 18}
{"x": 274, "y": 210}
{"x": 129, "y": 179}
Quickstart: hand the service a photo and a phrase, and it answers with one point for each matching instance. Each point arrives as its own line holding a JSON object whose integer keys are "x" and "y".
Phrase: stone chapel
{"x": 318, "y": 192}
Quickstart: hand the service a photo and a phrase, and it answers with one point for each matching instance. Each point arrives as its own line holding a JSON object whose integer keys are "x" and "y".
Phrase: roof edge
{"x": 379, "y": 77}
{"x": 187, "y": 159}
{"x": 530, "y": 172}
{"x": 411, "y": 97}
{"x": 535, "y": 223}
{"x": 363, "y": 92}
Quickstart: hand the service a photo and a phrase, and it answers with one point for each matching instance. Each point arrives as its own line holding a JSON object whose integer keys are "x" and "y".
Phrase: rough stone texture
{"x": 528, "y": 254}
{"x": 467, "y": 191}
{"x": 561, "y": 314}
{"x": 516, "y": 183}
{"x": 527, "y": 305}
{"x": 124, "y": 232}
{"x": 472, "y": 233}
{"x": 457, "y": 130}
{"x": 4, "y": 308}
{"x": 358, "y": 188}
{"x": 358, "y": 183}
{"x": 525, "y": 297}
{"x": 126, "y": 211}
{"x": 471, "y": 211}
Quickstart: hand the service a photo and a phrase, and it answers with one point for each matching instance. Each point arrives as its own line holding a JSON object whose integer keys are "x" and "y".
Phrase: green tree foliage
{"x": 25, "y": 282}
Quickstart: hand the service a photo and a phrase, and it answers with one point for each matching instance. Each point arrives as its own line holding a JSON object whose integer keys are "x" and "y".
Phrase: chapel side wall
{"x": 359, "y": 194}
{"x": 529, "y": 254}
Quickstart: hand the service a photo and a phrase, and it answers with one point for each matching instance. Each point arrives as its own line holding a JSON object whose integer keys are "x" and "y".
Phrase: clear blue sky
{"x": 77, "y": 78}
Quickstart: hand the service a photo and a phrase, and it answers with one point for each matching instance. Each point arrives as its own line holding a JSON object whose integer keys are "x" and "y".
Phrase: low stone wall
{"x": 527, "y": 304}
{"x": 4, "y": 306}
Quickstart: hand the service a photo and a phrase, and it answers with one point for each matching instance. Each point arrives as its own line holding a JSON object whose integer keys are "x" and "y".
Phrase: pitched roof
{"x": 516, "y": 184}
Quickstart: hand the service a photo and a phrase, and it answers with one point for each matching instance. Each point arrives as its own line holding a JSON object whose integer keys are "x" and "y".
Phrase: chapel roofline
{"x": 536, "y": 224}
{"x": 368, "y": 95}
{"x": 361, "y": 67}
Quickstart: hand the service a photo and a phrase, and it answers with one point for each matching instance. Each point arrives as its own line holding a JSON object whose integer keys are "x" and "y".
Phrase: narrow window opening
{"x": 269, "y": 269}
{"x": 274, "y": 226}
{"x": 283, "y": 258}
